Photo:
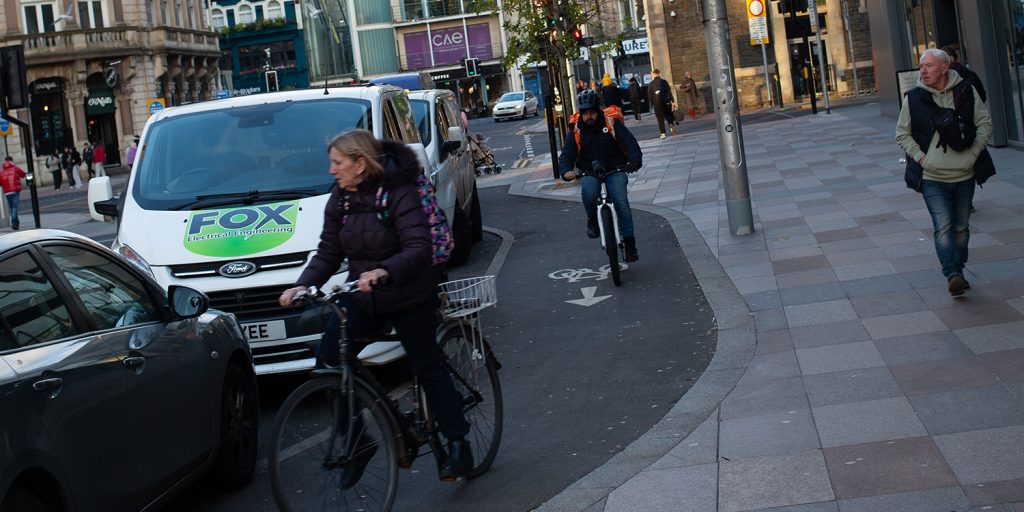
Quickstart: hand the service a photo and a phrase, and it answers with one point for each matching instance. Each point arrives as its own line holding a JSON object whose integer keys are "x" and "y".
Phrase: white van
{"x": 228, "y": 197}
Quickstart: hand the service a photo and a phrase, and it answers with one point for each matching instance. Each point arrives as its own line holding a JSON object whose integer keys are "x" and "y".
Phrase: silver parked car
{"x": 115, "y": 394}
{"x": 515, "y": 104}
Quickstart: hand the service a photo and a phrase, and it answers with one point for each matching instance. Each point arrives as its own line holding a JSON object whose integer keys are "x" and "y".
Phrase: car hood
{"x": 509, "y": 104}
{"x": 178, "y": 237}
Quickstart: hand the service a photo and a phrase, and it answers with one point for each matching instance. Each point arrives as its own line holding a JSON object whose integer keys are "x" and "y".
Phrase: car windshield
{"x": 257, "y": 153}
{"x": 421, "y": 111}
{"x": 511, "y": 96}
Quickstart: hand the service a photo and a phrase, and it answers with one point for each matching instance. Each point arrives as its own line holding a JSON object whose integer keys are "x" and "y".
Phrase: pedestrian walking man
{"x": 659, "y": 97}
{"x": 10, "y": 181}
{"x": 87, "y": 159}
{"x": 943, "y": 138}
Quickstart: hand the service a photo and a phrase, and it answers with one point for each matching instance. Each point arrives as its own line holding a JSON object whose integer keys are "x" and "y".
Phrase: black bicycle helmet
{"x": 588, "y": 99}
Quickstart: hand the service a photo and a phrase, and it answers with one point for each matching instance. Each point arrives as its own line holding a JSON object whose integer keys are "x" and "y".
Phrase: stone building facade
{"x": 96, "y": 69}
{"x": 678, "y": 45}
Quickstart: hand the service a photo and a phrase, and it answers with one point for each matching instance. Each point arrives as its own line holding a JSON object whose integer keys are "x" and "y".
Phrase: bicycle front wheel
{"x": 611, "y": 244}
{"x": 330, "y": 453}
{"x": 475, "y": 373}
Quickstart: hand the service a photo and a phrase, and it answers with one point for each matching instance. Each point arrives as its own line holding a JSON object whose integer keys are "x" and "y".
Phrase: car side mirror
{"x": 102, "y": 204}
{"x": 187, "y": 302}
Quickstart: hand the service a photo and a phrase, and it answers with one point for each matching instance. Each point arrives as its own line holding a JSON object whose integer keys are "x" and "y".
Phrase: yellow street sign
{"x": 757, "y": 11}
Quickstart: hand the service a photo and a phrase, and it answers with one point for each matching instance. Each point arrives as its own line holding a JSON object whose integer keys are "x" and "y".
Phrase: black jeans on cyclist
{"x": 417, "y": 328}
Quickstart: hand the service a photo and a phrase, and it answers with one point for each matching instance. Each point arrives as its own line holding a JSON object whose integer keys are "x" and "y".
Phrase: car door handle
{"x": 133, "y": 362}
{"x": 48, "y": 384}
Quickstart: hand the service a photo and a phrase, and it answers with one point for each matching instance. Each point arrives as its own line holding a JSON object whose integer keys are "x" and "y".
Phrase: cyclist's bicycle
{"x": 608, "y": 221}
{"x": 339, "y": 439}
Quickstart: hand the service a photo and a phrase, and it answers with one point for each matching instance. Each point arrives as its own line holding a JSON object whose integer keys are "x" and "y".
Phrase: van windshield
{"x": 257, "y": 153}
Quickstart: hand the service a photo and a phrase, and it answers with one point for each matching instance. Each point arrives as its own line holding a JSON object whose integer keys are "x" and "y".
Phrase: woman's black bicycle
{"x": 339, "y": 439}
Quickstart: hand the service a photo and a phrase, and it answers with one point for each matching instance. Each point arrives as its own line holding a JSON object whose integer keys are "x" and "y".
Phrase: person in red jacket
{"x": 99, "y": 156}
{"x": 10, "y": 179}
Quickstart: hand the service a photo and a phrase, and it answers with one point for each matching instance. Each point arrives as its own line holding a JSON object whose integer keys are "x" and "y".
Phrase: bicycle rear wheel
{"x": 476, "y": 379}
{"x": 316, "y": 465}
{"x": 611, "y": 244}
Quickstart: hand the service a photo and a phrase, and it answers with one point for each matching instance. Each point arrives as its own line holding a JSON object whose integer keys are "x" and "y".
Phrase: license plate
{"x": 264, "y": 331}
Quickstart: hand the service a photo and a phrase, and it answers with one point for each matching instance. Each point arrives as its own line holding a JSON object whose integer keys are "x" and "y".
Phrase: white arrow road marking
{"x": 588, "y": 297}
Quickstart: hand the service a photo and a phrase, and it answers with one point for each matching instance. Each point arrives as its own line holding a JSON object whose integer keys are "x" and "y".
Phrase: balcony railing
{"x": 48, "y": 46}
{"x": 419, "y": 10}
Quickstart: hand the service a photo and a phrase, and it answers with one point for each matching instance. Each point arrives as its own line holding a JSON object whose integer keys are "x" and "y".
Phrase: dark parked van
{"x": 407, "y": 81}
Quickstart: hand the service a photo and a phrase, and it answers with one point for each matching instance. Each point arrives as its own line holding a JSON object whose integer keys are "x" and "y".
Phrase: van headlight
{"x": 129, "y": 254}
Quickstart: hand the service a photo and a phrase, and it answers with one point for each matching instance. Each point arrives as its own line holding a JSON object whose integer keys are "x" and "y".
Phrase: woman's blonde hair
{"x": 360, "y": 143}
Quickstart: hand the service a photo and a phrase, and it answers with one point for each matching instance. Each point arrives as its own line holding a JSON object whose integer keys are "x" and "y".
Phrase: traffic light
{"x": 272, "y": 85}
{"x": 577, "y": 35}
{"x": 471, "y": 66}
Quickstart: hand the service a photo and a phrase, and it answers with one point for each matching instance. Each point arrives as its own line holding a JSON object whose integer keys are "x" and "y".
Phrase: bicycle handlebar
{"x": 598, "y": 170}
{"x": 316, "y": 295}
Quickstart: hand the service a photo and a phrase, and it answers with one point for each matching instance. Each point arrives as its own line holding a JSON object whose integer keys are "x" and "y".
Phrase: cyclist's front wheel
{"x": 611, "y": 244}
{"x": 327, "y": 453}
{"x": 476, "y": 379}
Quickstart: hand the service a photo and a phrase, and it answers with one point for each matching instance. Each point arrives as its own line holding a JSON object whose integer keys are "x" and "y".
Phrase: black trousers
{"x": 417, "y": 328}
{"x": 662, "y": 114}
{"x": 58, "y": 178}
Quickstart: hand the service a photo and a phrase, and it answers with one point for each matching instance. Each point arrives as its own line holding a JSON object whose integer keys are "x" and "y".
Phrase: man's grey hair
{"x": 935, "y": 52}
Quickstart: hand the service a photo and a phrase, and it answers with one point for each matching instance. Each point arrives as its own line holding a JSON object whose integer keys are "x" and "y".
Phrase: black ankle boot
{"x": 459, "y": 463}
{"x": 591, "y": 227}
{"x": 631, "y": 254}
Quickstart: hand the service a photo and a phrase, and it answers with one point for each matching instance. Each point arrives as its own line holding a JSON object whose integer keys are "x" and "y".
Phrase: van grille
{"x": 249, "y": 303}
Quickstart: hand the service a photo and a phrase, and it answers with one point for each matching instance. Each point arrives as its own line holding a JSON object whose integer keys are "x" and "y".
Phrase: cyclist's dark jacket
{"x": 595, "y": 144}
{"x": 401, "y": 245}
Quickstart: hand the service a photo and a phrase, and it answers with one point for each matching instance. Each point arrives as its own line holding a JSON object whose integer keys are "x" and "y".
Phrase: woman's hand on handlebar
{"x": 367, "y": 280}
{"x": 288, "y": 296}
{"x": 569, "y": 175}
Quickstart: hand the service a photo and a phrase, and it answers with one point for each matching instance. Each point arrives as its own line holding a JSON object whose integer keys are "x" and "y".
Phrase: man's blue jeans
{"x": 12, "y": 201}
{"x": 950, "y": 207}
{"x": 616, "y": 183}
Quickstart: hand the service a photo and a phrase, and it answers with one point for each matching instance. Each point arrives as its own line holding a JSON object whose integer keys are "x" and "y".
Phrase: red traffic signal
{"x": 577, "y": 34}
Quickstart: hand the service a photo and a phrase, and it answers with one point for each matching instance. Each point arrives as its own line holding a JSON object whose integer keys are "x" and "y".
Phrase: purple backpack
{"x": 440, "y": 234}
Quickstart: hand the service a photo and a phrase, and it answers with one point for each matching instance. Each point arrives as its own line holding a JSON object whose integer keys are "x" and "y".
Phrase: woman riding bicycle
{"x": 611, "y": 143}
{"x": 390, "y": 260}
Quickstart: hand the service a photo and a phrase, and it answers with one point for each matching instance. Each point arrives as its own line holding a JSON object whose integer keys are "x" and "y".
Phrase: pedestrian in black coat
{"x": 634, "y": 97}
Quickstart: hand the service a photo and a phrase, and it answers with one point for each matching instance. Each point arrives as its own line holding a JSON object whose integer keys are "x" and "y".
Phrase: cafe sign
{"x": 99, "y": 103}
{"x": 47, "y": 85}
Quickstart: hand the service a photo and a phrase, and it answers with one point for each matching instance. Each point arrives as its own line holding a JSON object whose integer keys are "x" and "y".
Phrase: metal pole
{"x": 849, "y": 39}
{"x": 730, "y": 136}
{"x": 767, "y": 81}
{"x": 812, "y": 8}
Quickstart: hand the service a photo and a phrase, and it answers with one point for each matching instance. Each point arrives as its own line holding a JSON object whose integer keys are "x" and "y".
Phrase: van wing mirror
{"x": 102, "y": 204}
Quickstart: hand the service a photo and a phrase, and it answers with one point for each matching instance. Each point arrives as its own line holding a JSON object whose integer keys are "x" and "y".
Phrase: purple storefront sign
{"x": 449, "y": 46}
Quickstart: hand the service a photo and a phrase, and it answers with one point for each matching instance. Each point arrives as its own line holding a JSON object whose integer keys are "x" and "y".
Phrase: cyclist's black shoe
{"x": 591, "y": 227}
{"x": 459, "y": 463}
{"x": 354, "y": 469}
{"x": 631, "y": 254}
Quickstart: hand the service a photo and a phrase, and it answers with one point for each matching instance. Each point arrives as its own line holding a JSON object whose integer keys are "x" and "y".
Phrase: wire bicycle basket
{"x": 464, "y": 297}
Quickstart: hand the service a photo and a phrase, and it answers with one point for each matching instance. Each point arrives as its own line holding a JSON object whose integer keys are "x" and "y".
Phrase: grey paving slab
{"x": 992, "y": 493}
{"x": 773, "y": 481}
{"x": 775, "y": 365}
{"x": 826, "y": 506}
{"x": 968, "y": 409}
{"x": 820, "y": 313}
{"x": 779, "y": 340}
{"x": 1007, "y": 365}
{"x": 835, "y": 358}
{"x": 865, "y": 422}
{"x": 769, "y": 434}
{"x": 699, "y": 447}
{"x": 813, "y": 293}
{"x": 939, "y": 375}
{"x": 944, "y": 499}
{"x": 851, "y": 386}
{"x": 921, "y": 347}
{"x": 887, "y": 467}
{"x": 993, "y": 338}
{"x": 887, "y": 304}
{"x": 985, "y": 455}
{"x": 764, "y": 397}
{"x": 671, "y": 490}
{"x": 903, "y": 324}
{"x": 832, "y": 333}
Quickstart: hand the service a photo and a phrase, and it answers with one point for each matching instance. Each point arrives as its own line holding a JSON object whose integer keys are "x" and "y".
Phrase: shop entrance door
{"x": 103, "y": 127}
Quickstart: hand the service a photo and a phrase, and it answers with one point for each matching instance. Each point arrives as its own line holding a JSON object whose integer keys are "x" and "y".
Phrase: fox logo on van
{"x": 240, "y": 231}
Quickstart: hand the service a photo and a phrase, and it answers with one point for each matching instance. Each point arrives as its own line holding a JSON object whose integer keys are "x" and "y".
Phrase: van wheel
{"x": 475, "y": 217}
{"x": 463, "y": 239}
{"x": 239, "y": 427}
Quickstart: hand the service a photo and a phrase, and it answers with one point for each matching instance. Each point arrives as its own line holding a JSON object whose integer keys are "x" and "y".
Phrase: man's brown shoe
{"x": 957, "y": 285}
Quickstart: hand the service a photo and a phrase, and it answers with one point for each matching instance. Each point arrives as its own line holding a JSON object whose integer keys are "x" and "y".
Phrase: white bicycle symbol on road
{"x": 574, "y": 275}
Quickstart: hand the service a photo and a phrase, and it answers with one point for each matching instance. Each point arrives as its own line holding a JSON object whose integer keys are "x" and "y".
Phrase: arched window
{"x": 218, "y": 20}
{"x": 245, "y": 14}
{"x": 274, "y": 10}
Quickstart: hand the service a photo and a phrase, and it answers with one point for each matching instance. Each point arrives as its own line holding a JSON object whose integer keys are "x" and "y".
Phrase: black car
{"x": 114, "y": 394}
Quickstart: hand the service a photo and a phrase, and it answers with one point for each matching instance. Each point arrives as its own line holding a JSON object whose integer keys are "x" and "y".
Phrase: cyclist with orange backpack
{"x": 602, "y": 136}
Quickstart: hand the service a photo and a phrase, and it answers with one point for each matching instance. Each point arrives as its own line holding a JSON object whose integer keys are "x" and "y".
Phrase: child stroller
{"x": 483, "y": 159}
